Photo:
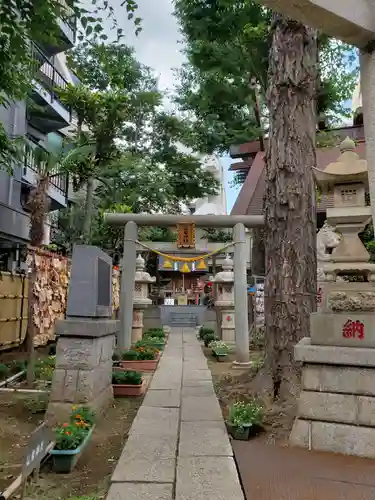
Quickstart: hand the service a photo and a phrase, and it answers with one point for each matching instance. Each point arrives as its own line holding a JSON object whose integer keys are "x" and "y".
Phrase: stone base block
{"x": 83, "y": 373}
{"x": 343, "y": 408}
{"x": 339, "y": 379}
{"x": 347, "y": 329}
{"x": 228, "y": 336}
{"x": 334, "y": 437}
{"x": 59, "y": 412}
{"x": 331, "y": 355}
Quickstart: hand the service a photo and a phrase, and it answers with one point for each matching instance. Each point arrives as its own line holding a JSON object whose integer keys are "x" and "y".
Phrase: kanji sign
{"x": 319, "y": 296}
{"x": 36, "y": 450}
{"x": 353, "y": 329}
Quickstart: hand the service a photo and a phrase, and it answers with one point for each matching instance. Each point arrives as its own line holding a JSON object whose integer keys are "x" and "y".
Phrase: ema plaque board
{"x": 90, "y": 287}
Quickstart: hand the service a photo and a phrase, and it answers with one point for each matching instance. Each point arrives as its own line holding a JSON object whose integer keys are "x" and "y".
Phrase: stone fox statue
{"x": 326, "y": 238}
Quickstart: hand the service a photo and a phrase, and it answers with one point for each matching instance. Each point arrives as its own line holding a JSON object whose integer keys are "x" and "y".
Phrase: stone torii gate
{"x": 238, "y": 223}
{"x": 353, "y": 22}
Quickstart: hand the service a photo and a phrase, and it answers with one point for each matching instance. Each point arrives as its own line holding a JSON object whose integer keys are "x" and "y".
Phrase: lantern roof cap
{"x": 348, "y": 167}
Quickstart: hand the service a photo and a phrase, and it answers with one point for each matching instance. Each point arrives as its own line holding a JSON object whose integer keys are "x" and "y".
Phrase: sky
{"x": 159, "y": 46}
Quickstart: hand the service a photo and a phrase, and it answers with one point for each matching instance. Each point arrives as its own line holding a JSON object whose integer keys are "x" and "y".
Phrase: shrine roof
{"x": 250, "y": 198}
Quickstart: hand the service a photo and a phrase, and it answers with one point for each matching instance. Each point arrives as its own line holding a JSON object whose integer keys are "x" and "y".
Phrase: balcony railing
{"x": 46, "y": 72}
{"x": 58, "y": 180}
{"x": 69, "y": 18}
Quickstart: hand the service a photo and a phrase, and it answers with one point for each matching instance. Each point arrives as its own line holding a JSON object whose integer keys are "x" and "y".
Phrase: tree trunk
{"x": 290, "y": 218}
{"x": 88, "y": 209}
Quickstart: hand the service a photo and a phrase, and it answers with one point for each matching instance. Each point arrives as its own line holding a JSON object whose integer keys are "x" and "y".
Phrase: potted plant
{"x": 155, "y": 332}
{"x": 245, "y": 419}
{"x": 143, "y": 359}
{"x": 219, "y": 349}
{"x": 208, "y": 338}
{"x": 203, "y": 331}
{"x": 157, "y": 342}
{"x": 71, "y": 439}
{"x": 128, "y": 383}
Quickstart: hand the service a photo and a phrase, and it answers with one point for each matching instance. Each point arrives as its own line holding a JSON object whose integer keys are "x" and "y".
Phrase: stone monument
{"x": 141, "y": 301}
{"x": 336, "y": 407}
{"x": 225, "y": 300}
{"x": 86, "y": 338}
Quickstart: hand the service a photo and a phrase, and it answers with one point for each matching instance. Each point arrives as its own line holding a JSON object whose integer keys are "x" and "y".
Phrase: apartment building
{"x": 42, "y": 119}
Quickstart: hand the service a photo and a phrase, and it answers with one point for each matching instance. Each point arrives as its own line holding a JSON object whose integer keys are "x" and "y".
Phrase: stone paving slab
{"x": 166, "y": 398}
{"x": 147, "y": 470}
{"x": 155, "y": 421}
{"x": 202, "y": 390}
{"x": 199, "y": 409}
{"x": 175, "y": 453}
{"x": 204, "y": 439}
{"x": 192, "y": 376}
{"x": 139, "y": 491}
{"x": 195, "y": 364}
{"x": 207, "y": 478}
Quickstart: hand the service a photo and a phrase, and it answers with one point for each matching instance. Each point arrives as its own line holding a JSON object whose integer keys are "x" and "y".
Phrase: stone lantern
{"x": 141, "y": 300}
{"x": 335, "y": 409}
{"x": 347, "y": 180}
{"x": 225, "y": 300}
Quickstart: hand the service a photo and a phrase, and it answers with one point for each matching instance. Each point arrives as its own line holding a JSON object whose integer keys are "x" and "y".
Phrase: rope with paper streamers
{"x": 185, "y": 268}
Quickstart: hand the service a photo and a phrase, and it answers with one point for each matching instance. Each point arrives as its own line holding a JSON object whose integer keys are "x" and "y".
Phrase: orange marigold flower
{"x": 68, "y": 433}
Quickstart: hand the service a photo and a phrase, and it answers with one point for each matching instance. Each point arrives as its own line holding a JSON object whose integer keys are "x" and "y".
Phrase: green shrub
{"x": 208, "y": 338}
{"x": 37, "y": 403}
{"x": 245, "y": 414}
{"x": 154, "y": 333}
{"x": 139, "y": 354}
{"x": 17, "y": 366}
{"x": 4, "y": 371}
{"x": 44, "y": 368}
{"x": 203, "y": 331}
{"x": 126, "y": 377}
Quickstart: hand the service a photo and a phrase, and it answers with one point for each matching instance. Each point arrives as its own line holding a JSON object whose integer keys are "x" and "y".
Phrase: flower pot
{"x": 243, "y": 433}
{"x": 128, "y": 390}
{"x": 147, "y": 365}
{"x": 220, "y": 356}
{"x": 64, "y": 461}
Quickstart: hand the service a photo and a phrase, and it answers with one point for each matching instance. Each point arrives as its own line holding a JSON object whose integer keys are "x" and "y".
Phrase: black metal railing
{"x": 47, "y": 74}
{"x": 69, "y": 18}
{"x": 59, "y": 181}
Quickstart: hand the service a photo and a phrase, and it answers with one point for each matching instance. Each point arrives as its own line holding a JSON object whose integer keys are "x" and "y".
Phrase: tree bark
{"x": 88, "y": 209}
{"x": 290, "y": 218}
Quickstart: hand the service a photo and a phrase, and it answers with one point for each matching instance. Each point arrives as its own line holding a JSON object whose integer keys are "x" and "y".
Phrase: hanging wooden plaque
{"x": 186, "y": 235}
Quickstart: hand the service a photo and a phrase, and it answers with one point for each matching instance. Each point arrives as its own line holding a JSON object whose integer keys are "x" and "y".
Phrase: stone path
{"x": 178, "y": 447}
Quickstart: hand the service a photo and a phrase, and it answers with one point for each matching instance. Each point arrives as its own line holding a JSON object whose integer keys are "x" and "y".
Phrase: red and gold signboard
{"x": 185, "y": 235}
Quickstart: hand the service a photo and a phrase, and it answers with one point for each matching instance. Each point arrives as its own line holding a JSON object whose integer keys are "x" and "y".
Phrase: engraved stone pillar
{"x": 141, "y": 300}
{"x": 86, "y": 338}
{"x": 225, "y": 301}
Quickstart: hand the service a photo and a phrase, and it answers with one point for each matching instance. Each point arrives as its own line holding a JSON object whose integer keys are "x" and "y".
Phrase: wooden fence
{"x": 50, "y": 292}
{"x": 13, "y": 309}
